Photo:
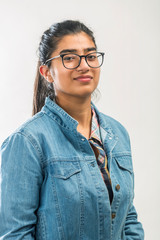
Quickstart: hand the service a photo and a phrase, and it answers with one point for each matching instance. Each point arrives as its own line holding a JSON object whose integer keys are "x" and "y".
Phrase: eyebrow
{"x": 75, "y": 50}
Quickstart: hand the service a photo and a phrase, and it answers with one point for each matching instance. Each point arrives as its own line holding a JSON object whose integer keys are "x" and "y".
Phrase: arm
{"x": 21, "y": 178}
{"x": 133, "y": 228}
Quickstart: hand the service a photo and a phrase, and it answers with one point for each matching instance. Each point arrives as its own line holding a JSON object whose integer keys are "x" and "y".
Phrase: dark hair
{"x": 47, "y": 46}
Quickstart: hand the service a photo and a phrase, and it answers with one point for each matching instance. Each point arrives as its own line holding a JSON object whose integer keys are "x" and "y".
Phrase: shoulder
{"x": 27, "y": 131}
{"x": 22, "y": 147}
{"x": 110, "y": 121}
{"x": 116, "y": 129}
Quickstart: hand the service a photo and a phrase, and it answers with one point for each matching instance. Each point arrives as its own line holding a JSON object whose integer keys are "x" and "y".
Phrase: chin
{"x": 85, "y": 95}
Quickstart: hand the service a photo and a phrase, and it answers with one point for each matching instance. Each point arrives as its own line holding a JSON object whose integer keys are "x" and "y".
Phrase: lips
{"x": 84, "y": 78}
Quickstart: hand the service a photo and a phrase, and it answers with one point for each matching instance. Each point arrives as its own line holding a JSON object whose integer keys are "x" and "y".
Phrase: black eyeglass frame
{"x": 80, "y": 57}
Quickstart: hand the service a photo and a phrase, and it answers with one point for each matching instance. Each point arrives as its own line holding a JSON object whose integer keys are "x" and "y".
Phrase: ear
{"x": 45, "y": 72}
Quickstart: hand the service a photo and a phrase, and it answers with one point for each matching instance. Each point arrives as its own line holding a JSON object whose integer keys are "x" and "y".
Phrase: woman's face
{"x": 79, "y": 82}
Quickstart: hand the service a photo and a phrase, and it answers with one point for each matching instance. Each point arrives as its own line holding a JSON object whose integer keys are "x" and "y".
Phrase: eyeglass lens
{"x": 93, "y": 60}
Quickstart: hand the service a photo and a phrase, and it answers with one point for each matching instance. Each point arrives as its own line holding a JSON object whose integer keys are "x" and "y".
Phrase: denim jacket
{"x": 51, "y": 186}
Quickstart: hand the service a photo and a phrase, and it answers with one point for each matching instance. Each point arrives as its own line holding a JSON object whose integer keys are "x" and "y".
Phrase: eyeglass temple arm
{"x": 52, "y": 58}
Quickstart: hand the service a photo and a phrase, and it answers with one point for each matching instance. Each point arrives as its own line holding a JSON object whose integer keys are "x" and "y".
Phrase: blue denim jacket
{"x": 51, "y": 186}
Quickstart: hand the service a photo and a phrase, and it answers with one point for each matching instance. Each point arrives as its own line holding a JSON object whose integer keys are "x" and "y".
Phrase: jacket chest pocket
{"x": 64, "y": 169}
{"x": 65, "y": 178}
{"x": 123, "y": 171}
{"x": 63, "y": 195}
{"x": 66, "y": 195}
{"x": 125, "y": 163}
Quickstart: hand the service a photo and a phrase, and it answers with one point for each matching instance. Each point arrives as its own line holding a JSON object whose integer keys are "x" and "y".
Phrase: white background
{"x": 128, "y": 31}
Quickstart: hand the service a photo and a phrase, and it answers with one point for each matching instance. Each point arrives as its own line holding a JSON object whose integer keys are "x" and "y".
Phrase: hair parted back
{"x": 48, "y": 44}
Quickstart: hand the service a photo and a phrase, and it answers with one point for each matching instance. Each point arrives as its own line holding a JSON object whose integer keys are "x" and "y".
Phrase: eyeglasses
{"x": 72, "y": 61}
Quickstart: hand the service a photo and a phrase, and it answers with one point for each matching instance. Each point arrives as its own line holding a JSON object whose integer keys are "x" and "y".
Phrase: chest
{"x": 73, "y": 192}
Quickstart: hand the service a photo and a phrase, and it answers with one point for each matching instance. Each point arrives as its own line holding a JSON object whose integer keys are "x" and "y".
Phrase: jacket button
{"x": 113, "y": 215}
{"x": 117, "y": 187}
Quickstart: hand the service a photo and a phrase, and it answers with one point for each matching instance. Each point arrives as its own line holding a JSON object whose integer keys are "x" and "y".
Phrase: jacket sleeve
{"x": 21, "y": 178}
{"x": 133, "y": 228}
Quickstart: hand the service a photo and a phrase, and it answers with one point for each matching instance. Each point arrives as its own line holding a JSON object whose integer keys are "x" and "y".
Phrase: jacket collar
{"x": 109, "y": 138}
{"x": 58, "y": 114}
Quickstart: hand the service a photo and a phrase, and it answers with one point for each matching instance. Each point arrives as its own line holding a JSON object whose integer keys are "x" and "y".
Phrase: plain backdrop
{"x": 128, "y": 31}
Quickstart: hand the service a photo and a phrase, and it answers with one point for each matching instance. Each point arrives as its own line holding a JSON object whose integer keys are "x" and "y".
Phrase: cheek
{"x": 97, "y": 75}
{"x": 61, "y": 78}
{"x": 56, "y": 74}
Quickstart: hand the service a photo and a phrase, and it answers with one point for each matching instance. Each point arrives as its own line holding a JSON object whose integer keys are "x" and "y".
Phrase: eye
{"x": 92, "y": 57}
{"x": 69, "y": 58}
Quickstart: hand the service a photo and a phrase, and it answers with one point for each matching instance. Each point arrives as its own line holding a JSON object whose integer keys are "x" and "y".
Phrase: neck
{"x": 80, "y": 110}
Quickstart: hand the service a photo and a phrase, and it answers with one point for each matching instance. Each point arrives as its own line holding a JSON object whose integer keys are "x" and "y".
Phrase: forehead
{"x": 79, "y": 41}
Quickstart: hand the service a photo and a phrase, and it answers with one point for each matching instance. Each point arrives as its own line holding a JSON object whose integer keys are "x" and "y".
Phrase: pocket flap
{"x": 64, "y": 169}
{"x": 125, "y": 162}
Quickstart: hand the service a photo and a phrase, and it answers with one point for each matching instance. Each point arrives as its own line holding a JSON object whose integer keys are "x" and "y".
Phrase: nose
{"x": 83, "y": 65}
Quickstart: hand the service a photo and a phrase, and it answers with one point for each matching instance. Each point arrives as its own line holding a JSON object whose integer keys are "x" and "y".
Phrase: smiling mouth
{"x": 85, "y": 78}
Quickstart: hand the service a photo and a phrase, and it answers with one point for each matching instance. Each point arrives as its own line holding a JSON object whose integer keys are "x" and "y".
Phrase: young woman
{"x": 66, "y": 174}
